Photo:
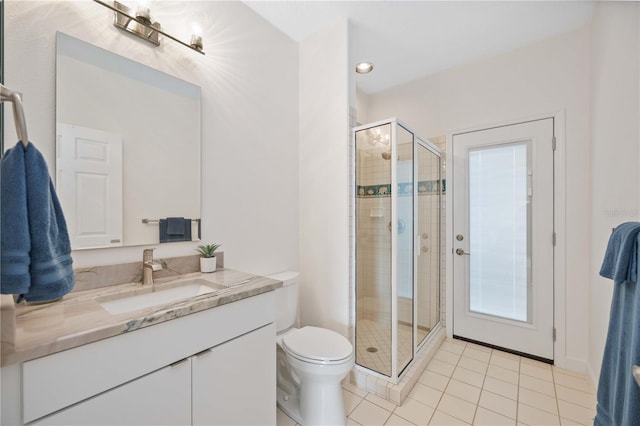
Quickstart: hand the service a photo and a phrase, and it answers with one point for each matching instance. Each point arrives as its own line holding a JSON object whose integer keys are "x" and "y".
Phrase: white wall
{"x": 249, "y": 80}
{"x": 615, "y": 136}
{"x": 545, "y": 77}
{"x": 324, "y": 178}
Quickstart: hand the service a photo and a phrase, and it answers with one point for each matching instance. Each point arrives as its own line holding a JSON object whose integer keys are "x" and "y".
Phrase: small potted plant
{"x": 208, "y": 257}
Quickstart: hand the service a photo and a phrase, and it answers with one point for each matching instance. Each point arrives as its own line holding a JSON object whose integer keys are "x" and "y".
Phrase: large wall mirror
{"x": 127, "y": 149}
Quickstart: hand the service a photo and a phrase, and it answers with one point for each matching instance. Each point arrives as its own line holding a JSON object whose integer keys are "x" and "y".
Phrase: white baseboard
{"x": 577, "y": 365}
{"x": 594, "y": 377}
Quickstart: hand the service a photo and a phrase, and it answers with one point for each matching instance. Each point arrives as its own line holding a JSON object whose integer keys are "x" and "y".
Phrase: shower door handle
{"x": 461, "y": 252}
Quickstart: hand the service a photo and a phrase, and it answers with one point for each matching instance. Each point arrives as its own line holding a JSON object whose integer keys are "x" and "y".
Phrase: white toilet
{"x": 312, "y": 362}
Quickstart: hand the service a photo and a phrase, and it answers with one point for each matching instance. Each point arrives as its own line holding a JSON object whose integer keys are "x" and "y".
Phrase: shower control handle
{"x": 461, "y": 252}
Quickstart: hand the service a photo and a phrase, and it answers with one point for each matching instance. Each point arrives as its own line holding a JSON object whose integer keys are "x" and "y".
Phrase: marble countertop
{"x": 79, "y": 318}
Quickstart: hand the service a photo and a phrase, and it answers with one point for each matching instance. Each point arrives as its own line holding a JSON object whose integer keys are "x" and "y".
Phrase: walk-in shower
{"x": 397, "y": 212}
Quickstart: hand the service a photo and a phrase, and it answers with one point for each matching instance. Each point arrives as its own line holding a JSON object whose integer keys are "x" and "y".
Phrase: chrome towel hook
{"x": 8, "y": 95}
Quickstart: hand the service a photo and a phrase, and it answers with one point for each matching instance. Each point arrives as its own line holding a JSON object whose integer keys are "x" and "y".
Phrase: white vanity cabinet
{"x": 159, "y": 398}
{"x": 248, "y": 396}
{"x": 214, "y": 367}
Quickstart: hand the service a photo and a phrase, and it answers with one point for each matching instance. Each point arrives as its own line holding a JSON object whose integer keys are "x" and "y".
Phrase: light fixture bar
{"x": 139, "y": 25}
{"x": 123, "y": 19}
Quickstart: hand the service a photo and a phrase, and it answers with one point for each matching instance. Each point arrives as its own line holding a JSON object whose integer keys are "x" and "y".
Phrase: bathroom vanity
{"x": 206, "y": 360}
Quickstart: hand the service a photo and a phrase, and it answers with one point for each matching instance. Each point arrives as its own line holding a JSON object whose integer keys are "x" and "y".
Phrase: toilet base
{"x": 289, "y": 404}
{"x": 317, "y": 411}
{"x": 322, "y": 404}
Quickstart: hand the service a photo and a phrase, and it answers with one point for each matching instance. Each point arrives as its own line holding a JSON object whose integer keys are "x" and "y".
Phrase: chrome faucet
{"x": 148, "y": 266}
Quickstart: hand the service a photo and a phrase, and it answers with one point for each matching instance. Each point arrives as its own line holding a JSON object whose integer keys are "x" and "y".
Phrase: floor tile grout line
{"x": 542, "y": 409}
{"x": 496, "y": 412}
{"x": 448, "y": 381}
{"x": 518, "y": 392}
{"x": 419, "y": 402}
{"x": 484, "y": 378}
{"x": 555, "y": 393}
{"x": 378, "y": 405}
{"x": 358, "y": 404}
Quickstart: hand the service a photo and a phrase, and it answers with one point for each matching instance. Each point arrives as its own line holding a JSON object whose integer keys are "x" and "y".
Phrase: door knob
{"x": 460, "y": 252}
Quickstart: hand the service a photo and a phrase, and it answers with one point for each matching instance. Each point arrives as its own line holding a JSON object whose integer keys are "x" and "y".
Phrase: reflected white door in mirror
{"x": 89, "y": 180}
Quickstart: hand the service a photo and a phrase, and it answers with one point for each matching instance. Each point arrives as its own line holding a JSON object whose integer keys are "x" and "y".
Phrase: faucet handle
{"x": 147, "y": 255}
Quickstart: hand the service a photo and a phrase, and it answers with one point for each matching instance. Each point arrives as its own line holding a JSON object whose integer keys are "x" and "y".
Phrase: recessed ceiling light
{"x": 364, "y": 67}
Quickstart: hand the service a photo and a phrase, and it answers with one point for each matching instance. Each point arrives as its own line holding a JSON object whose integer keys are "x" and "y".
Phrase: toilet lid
{"x": 317, "y": 344}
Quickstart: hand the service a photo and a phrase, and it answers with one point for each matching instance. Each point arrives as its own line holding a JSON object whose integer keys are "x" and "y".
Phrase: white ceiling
{"x": 407, "y": 40}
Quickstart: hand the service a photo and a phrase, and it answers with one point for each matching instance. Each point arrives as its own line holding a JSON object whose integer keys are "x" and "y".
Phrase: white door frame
{"x": 559, "y": 218}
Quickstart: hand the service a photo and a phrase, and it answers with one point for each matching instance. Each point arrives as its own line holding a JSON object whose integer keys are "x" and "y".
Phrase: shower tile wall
{"x": 374, "y": 240}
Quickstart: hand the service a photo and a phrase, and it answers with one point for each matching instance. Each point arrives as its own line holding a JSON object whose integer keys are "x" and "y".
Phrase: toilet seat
{"x": 317, "y": 346}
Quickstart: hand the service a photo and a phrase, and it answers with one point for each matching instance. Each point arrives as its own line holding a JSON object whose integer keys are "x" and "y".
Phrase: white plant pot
{"x": 208, "y": 264}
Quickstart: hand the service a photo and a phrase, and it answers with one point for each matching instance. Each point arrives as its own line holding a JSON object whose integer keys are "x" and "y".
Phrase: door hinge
{"x": 553, "y": 143}
{"x": 553, "y": 238}
{"x": 554, "y": 334}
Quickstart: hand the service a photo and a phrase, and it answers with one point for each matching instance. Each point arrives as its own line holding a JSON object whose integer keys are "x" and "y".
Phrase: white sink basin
{"x": 168, "y": 293}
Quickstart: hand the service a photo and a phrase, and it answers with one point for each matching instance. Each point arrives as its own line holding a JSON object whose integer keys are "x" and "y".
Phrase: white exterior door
{"x": 89, "y": 185}
{"x": 503, "y": 237}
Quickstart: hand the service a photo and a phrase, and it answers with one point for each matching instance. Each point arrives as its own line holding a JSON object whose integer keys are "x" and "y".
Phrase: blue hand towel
{"x": 37, "y": 209}
{"x": 621, "y": 257}
{"x": 618, "y": 394}
{"x": 15, "y": 241}
{"x": 175, "y": 229}
{"x": 175, "y": 226}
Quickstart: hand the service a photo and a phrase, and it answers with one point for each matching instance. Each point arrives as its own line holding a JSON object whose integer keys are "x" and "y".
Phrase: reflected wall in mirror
{"x": 127, "y": 149}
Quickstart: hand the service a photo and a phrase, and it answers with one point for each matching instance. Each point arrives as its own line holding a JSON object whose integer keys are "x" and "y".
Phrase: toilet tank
{"x": 286, "y": 300}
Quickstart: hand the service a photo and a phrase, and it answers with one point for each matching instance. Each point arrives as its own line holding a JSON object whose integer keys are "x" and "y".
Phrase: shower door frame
{"x": 396, "y": 375}
{"x": 418, "y": 141}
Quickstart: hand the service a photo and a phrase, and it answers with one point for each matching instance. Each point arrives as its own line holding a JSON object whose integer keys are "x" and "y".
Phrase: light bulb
{"x": 196, "y": 37}
{"x": 364, "y": 67}
{"x": 143, "y": 12}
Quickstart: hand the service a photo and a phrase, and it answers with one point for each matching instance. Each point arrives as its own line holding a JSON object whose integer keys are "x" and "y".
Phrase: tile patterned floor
{"x": 467, "y": 384}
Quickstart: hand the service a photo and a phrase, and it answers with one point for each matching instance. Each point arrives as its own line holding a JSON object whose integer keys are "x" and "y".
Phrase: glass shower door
{"x": 373, "y": 248}
{"x": 396, "y": 285}
{"x": 428, "y": 246}
{"x": 403, "y": 257}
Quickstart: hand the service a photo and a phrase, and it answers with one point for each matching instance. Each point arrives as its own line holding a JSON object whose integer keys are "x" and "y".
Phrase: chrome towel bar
{"x": 158, "y": 220}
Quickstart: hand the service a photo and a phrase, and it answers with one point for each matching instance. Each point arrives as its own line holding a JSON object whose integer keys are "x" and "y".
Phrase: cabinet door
{"x": 159, "y": 398}
{"x": 235, "y": 383}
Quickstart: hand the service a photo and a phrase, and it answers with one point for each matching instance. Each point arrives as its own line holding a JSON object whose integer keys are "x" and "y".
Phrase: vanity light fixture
{"x": 138, "y": 22}
{"x": 196, "y": 38}
{"x": 364, "y": 67}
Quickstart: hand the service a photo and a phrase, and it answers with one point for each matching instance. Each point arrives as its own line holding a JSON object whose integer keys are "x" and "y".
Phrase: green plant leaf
{"x": 207, "y": 250}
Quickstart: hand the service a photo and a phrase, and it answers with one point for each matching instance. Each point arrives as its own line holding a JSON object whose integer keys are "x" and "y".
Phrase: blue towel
{"x": 175, "y": 226}
{"x": 621, "y": 257}
{"x": 618, "y": 394}
{"x": 34, "y": 232}
{"x": 174, "y": 229}
{"x": 15, "y": 241}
